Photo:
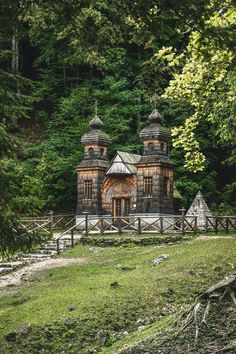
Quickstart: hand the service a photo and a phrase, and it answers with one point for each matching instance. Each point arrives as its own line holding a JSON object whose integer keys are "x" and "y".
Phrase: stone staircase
{"x": 41, "y": 253}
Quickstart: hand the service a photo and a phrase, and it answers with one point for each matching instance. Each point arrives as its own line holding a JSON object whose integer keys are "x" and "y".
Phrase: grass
{"x": 165, "y": 234}
{"x": 138, "y": 335}
{"x": 83, "y": 294}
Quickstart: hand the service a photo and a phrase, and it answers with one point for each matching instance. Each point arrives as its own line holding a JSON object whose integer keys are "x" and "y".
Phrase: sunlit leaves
{"x": 207, "y": 83}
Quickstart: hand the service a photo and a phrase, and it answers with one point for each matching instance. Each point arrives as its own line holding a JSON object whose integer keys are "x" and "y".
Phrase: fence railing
{"x": 70, "y": 231}
{"x": 54, "y": 221}
{"x": 220, "y": 223}
{"x": 139, "y": 225}
{"x": 33, "y": 225}
{"x": 128, "y": 224}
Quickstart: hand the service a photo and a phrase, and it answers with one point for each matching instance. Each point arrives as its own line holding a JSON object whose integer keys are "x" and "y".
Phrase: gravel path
{"x": 19, "y": 276}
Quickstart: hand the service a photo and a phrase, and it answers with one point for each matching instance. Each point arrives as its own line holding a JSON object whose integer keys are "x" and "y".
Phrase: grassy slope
{"x": 145, "y": 292}
{"x": 218, "y": 336}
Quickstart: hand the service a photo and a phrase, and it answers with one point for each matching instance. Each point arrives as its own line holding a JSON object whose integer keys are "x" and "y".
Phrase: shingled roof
{"x": 95, "y": 135}
{"x": 123, "y": 163}
{"x": 154, "y": 127}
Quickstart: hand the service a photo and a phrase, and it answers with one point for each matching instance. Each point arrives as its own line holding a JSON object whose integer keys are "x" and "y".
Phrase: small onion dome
{"x": 154, "y": 128}
{"x": 155, "y": 117}
{"x": 95, "y": 135}
{"x": 96, "y": 123}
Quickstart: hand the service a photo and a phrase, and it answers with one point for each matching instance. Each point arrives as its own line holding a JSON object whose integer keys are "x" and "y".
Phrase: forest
{"x": 58, "y": 57}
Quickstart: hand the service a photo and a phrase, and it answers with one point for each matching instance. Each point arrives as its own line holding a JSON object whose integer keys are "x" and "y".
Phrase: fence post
{"x": 119, "y": 226}
{"x": 72, "y": 238}
{"x": 58, "y": 246}
{"x": 102, "y": 226}
{"x": 227, "y": 225}
{"x": 139, "y": 226}
{"x": 51, "y": 219}
{"x": 182, "y": 220}
{"x": 206, "y": 229}
{"x": 32, "y": 239}
{"x": 161, "y": 224}
{"x": 216, "y": 225}
{"x": 86, "y": 222}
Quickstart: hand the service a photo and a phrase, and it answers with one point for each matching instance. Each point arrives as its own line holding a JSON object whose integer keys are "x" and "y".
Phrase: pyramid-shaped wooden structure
{"x": 200, "y": 209}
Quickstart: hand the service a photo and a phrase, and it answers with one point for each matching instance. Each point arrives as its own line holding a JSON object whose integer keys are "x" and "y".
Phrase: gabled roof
{"x": 123, "y": 163}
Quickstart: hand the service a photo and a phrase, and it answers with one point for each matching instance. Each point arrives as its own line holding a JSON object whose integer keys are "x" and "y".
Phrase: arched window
{"x": 166, "y": 186}
{"x": 91, "y": 152}
{"x": 162, "y": 146}
{"x": 101, "y": 151}
{"x": 148, "y": 186}
{"x": 88, "y": 189}
{"x": 150, "y": 146}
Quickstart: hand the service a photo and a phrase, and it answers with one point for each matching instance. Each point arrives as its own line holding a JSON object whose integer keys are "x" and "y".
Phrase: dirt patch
{"x": 23, "y": 274}
{"x": 205, "y": 238}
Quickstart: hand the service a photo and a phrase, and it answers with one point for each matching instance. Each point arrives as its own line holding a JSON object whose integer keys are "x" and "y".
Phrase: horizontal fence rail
{"x": 139, "y": 225}
{"x": 221, "y": 223}
{"x": 161, "y": 224}
{"x": 89, "y": 225}
{"x": 55, "y": 221}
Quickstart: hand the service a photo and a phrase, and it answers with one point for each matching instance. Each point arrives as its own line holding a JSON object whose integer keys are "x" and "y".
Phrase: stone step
{"x": 47, "y": 251}
{"x": 5, "y": 270}
{"x": 44, "y": 252}
{"x": 6, "y": 265}
{"x": 31, "y": 260}
{"x": 35, "y": 260}
{"x": 35, "y": 255}
{"x": 54, "y": 244}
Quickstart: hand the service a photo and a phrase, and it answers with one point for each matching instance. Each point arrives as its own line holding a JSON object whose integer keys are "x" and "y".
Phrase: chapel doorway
{"x": 121, "y": 207}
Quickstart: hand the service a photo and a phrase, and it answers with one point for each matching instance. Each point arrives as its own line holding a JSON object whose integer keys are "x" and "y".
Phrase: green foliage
{"x": 125, "y": 55}
{"x": 206, "y": 82}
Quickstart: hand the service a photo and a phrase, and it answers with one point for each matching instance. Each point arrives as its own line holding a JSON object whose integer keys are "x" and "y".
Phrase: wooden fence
{"x": 54, "y": 222}
{"x": 134, "y": 224}
{"x": 220, "y": 223}
{"x": 131, "y": 224}
{"x": 162, "y": 224}
{"x": 138, "y": 225}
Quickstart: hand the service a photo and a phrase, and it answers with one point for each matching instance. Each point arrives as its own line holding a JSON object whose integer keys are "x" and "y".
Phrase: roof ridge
{"x": 126, "y": 152}
{"x": 126, "y": 164}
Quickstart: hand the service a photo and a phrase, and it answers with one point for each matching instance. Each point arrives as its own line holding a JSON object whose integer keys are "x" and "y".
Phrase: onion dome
{"x": 96, "y": 123}
{"x": 155, "y": 117}
{"x": 154, "y": 128}
{"x": 95, "y": 135}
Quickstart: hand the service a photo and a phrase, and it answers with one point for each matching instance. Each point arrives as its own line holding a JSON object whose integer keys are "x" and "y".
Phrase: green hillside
{"x": 114, "y": 297}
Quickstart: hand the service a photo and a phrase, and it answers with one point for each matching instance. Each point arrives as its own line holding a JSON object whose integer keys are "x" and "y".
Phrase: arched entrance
{"x": 121, "y": 200}
{"x": 119, "y": 195}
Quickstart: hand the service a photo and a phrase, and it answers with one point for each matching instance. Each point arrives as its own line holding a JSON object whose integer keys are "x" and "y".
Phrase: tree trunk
{"x": 15, "y": 54}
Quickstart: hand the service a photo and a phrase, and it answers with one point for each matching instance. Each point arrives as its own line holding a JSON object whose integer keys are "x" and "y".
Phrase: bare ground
{"x": 19, "y": 276}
